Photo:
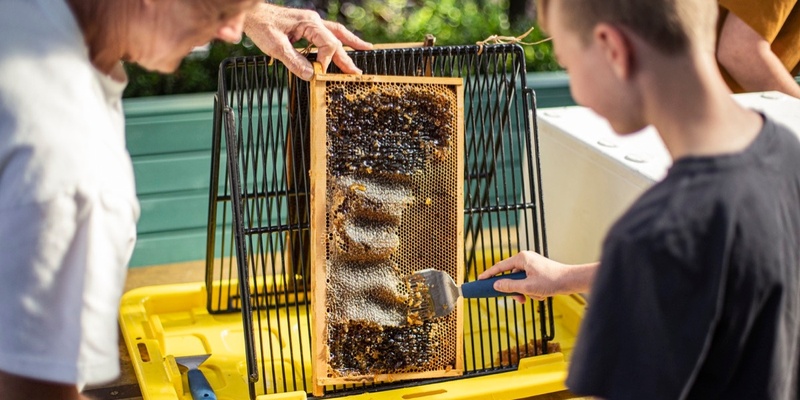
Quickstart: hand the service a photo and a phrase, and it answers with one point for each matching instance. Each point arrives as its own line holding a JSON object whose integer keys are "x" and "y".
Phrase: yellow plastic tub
{"x": 160, "y": 323}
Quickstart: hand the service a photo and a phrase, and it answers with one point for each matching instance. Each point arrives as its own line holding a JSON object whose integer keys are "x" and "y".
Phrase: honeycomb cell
{"x": 388, "y": 130}
{"x": 365, "y": 348}
{"x": 392, "y": 203}
{"x": 366, "y": 291}
{"x": 369, "y": 198}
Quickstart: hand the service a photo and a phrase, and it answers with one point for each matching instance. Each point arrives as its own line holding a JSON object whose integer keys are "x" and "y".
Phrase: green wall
{"x": 169, "y": 138}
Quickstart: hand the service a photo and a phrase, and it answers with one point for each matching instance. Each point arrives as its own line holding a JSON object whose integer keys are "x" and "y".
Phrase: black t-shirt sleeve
{"x": 649, "y": 320}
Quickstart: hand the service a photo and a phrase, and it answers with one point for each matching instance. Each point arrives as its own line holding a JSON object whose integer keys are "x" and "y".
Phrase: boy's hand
{"x": 545, "y": 277}
{"x": 273, "y": 29}
{"x": 541, "y": 280}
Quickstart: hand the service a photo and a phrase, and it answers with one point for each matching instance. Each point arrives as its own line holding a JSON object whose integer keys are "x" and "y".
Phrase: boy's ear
{"x": 616, "y": 47}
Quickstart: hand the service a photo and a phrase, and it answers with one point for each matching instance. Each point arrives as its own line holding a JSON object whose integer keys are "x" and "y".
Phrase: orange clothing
{"x": 777, "y": 21}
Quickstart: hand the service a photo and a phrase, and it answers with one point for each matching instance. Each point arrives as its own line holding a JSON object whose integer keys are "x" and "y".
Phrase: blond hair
{"x": 671, "y": 26}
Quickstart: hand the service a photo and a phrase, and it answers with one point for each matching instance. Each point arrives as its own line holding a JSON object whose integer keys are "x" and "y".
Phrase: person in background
{"x": 759, "y": 45}
{"x": 68, "y": 206}
{"x": 697, "y": 293}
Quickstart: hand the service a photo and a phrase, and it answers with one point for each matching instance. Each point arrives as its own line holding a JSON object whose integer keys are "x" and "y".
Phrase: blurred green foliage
{"x": 197, "y": 73}
{"x": 452, "y": 22}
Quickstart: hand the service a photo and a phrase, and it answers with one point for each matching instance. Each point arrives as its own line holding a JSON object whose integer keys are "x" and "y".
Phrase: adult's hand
{"x": 274, "y": 28}
{"x": 545, "y": 277}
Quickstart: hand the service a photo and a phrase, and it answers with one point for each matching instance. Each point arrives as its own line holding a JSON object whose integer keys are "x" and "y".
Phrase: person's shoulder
{"x": 44, "y": 62}
{"x": 643, "y": 219}
{"x": 35, "y": 33}
{"x": 694, "y": 191}
{"x": 786, "y": 132}
{"x": 40, "y": 39}
{"x": 781, "y": 145}
{"x": 25, "y": 21}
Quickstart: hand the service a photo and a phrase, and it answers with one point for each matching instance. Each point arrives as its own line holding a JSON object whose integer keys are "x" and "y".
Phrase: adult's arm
{"x": 13, "y": 387}
{"x": 545, "y": 277}
{"x": 749, "y": 59}
{"x": 274, "y": 28}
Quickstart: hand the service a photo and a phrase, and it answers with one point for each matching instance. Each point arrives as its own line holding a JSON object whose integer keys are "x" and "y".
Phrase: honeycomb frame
{"x": 419, "y": 196}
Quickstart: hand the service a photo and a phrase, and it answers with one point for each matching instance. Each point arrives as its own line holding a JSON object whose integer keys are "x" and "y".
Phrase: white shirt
{"x": 68, "y": 207}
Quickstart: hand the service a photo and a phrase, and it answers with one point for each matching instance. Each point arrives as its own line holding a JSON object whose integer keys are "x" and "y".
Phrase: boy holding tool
{"x": 697, "y": 294}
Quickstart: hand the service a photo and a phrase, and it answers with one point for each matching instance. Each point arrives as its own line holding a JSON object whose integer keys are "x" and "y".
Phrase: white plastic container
{"x": 591, "y": 175}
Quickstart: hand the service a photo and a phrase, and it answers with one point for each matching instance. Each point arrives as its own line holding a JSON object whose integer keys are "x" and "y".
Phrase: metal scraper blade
{"x": 435, "y": 293}
{"x": 192, "y": 362}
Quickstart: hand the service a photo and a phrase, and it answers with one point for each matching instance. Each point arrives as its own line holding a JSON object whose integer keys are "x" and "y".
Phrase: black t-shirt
{"x": 698, "y": 292}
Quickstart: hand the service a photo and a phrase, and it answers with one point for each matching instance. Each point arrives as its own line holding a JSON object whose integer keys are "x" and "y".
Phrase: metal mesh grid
{"x": 259, "y": 209}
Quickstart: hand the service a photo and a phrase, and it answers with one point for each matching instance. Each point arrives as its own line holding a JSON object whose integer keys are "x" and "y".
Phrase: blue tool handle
{"x": 199, "y": 386}
{"x": 484, "y": 288}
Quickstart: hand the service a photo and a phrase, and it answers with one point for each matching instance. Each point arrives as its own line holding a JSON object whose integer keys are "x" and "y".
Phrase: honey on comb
{"x": 382, "y": 141}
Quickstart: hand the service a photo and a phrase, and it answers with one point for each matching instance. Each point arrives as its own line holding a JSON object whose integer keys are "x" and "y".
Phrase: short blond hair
{"x": 671, "y": 26}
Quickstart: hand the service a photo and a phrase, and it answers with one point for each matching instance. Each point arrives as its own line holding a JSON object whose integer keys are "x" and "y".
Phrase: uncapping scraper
{"x": 198, "y": 384}
{"x": 434, "y": 293}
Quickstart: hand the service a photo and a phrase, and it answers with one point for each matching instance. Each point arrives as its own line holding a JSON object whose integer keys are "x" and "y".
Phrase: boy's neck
{"x": 691, "y": 107}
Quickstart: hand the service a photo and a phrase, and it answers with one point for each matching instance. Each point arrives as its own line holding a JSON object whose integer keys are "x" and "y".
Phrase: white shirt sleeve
{"x": 63, "y": 274}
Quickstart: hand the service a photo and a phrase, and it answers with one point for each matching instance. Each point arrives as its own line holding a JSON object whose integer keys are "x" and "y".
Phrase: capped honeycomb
{"x": 392, "y": 131}
{"x": 392, "y": 206}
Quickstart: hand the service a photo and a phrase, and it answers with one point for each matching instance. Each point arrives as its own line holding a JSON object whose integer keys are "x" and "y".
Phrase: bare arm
{"x": 13, "y": 387}
{"x": 274, "y": 29}
{"x": 749, "y": 59}
{"x": 545, "y": 277}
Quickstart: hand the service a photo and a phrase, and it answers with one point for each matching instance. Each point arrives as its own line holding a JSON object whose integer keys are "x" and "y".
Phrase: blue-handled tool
{"x": 434, "y": 294}
{"x": 198, "y": 384}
